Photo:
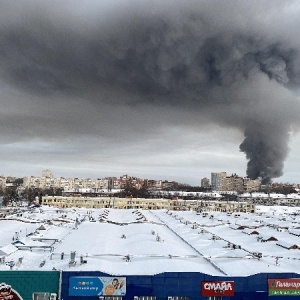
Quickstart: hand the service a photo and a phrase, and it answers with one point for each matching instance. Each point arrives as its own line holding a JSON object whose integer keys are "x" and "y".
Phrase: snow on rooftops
{"x": 250, "y": 231}
{"x": 295, "y": 231}
{"x": 7, "y": 250}
{"x": 287, "y": 245}
{"x": 266, "y": 238}
{"x": 142, "y": 242}
{"x": 236, "y": 227}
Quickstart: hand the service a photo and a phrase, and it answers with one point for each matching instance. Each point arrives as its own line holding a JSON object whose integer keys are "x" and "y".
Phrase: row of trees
{"x": 16, "y": 194}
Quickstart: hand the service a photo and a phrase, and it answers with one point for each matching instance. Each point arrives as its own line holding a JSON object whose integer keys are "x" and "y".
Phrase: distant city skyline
{"x": 196, "y": 182}
{"x": 156, "y": 89}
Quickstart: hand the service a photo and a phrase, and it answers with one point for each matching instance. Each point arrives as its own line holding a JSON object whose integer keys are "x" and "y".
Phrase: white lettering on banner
{"x": 218, "y": 286}
{"x": 84, "y": 288}
{"x": 288, "y": 284}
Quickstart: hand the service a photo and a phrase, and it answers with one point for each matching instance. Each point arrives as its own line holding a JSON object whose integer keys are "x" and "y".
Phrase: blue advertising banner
{"x": 94, "y": 286}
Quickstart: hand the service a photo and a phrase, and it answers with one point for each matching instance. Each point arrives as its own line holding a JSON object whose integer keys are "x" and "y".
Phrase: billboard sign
{"x": 8, "y": 293}
{"x": 94, "y": 286}
{"x": 217, "y": 288}
{"x": 284, "y": 287}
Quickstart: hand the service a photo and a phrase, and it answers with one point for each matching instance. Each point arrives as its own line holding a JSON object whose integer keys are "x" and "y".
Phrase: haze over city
{"x": 157, "y": 89}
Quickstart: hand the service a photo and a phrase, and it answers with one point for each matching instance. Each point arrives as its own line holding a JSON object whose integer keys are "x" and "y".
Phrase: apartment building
{"x": 251, "y": 185}
{"x": 88, "y": 183}
{"x": 2, "y": 182}
{"x": 233, "y": 183}
{"x": 153, "y": 184}
{"x": 218, "y": 181}
{"x": 169, "y": 185}
{"x": 46, "y": 182}
{"x": 31, "y": 182}
{"x": 102, "y": 184}
{"x": 60, "y": 182}
{"x": 221, "y": 182}
{"x": 205, "y": 182}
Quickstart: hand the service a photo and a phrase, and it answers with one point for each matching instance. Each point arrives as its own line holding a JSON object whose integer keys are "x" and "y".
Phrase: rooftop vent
{"x": 82, "y": 261}
{"x": 257, "y": 254}
{"x": 72, "y": 261}
{"x": 10, "y": 264}
{"x": 42, "y": 263}
{"x": 127, "y": 258}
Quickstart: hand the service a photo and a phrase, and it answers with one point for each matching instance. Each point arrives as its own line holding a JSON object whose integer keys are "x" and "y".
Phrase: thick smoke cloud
{"x": 229, "y": 63}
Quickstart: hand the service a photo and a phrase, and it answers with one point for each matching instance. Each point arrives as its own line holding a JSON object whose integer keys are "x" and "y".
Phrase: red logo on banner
{"x": 217, "y": 288}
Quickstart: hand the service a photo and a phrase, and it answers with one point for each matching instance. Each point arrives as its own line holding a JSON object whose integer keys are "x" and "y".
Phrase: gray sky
{"x": 156, "y": 89}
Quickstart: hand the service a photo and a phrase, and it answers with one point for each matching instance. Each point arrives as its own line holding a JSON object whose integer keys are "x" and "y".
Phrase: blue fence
{"x": 182, "y": 284}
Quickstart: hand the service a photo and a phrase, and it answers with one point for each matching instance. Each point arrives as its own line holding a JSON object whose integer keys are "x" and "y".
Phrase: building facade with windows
{"x": 218, "y": 181}
{"x": 205, "y": 182}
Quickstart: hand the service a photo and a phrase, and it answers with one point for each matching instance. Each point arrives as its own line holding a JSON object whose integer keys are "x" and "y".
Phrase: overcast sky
{"x": 156, "y": 89}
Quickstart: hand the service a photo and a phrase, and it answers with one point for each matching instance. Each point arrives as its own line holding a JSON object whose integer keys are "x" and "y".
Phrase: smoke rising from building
{"x": 224, "y": 63}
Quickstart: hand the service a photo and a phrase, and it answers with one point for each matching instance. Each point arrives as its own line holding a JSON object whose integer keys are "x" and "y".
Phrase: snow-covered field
{"x": 142, "y": 242}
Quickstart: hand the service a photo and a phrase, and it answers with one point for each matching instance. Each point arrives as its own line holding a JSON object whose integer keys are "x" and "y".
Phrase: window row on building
{"x": 141, "y": 203}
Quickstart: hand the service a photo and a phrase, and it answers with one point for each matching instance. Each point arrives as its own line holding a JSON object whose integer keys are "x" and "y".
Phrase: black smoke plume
{"x": 219, "y": 59}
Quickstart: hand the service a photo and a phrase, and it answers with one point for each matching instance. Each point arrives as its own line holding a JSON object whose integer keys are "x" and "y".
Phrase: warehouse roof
{"x": 143, "y": 242}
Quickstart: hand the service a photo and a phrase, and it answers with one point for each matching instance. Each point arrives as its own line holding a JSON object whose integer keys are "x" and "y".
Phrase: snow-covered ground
{"x": 142, "y": 242}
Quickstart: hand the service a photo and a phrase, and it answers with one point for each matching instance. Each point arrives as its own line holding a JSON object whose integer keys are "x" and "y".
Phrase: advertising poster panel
{"x": 284, "y": 287}
{"x": 217, "y": 288}
{"x": 94, "y": 286}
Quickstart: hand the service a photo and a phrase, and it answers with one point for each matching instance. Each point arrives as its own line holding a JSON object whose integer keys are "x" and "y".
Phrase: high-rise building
{"x": 218, "y": 181}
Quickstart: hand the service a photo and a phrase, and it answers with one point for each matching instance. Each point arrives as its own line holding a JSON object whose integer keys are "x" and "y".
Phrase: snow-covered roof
{"x": 266, "y": 238}
{"x": 250, "y": 231}
{"x": 143, "y": 242}
{"x": 295, "y": 231}
{"x": 287, "y": 245}
{"x": 7, "y": 250}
